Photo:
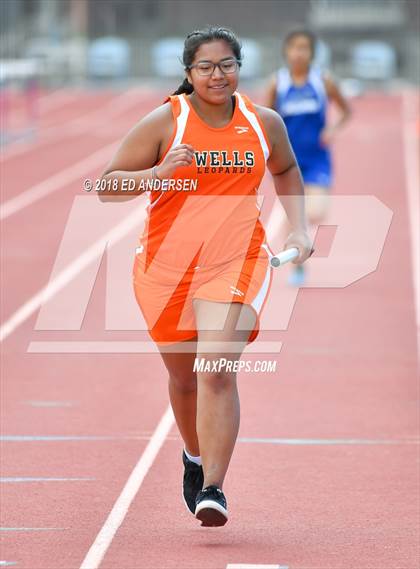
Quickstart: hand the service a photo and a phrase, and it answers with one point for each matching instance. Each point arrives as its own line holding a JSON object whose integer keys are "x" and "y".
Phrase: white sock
{"x": 196, "y": 459}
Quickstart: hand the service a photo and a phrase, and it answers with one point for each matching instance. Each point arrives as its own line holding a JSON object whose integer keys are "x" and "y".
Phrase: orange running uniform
{"x": 203, "y": 237}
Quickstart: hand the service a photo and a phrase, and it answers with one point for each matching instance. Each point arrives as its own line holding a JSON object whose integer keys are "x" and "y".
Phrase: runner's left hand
{"x": 301, "y": 240}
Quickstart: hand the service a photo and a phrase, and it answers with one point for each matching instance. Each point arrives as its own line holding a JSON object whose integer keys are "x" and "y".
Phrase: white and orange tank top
{"x": 209, "y": 210}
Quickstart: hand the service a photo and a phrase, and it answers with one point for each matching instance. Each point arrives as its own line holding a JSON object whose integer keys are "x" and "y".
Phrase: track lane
{"x": 329, "y": 386}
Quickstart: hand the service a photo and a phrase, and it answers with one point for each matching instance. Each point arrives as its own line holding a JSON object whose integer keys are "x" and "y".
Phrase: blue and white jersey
{"x": 303, "y": 109}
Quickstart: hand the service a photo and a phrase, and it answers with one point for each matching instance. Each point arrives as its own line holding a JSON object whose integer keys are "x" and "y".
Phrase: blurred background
{"x": 75, "y": 77}
{"x": 47, "y": 44}
{"x": 81, "y": 39}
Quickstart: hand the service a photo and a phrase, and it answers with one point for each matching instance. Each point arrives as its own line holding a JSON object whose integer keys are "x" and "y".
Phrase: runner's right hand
{"x": 181, "y": 155}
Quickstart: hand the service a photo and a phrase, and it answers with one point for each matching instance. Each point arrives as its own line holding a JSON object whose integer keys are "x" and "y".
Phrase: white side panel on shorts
{"x": 259, "y": 299}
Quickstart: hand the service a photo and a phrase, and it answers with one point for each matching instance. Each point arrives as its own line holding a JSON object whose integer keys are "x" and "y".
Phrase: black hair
{"x": 310, "y": 36}
{"x": 195, "y": 39}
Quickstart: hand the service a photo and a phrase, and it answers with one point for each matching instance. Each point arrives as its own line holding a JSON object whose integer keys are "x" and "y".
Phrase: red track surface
{"x": 346, "y": 375}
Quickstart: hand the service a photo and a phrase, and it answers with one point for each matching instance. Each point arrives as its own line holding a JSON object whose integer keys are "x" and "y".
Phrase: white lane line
{"x": 254, "y": 566}
{"x": 7, "y": 563}
{"x": 254, "y": 440}
{"x": 91, "y": 120}
{"x": 105, "y": 536}
{"x": 65, "y": 438}
{"x": 276, "y": 441}
{"x": 86, "y": 123}
{"x": 49, "y": 403}
{"x": 412, "y": 184}
{"x": 59, "y": 180}
{"x": 55, "y": 99}
{"x": 10, "y": 479}
{"x": 129, "y": 347}
{"x": 32, "y": 529}
{"x": 72, "y": 270}
{"x": 45, "y": 104}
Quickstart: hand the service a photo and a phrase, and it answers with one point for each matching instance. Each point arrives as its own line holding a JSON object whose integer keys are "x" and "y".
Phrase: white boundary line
{"x": 73, "y": 269}
{"x": 57, "y": 181}
{"x": 75, "y": 172}
{"x": 92, "y": 119}
{"x": 60, "y": 96}
{"x": 106, "y": 534}
{"x": 142, "y": 347}
{"x": 88, "y": 122}
{"x": 254, "y": 566}
{"x": 410, "y": 102}
{"x": 46, "y": 104}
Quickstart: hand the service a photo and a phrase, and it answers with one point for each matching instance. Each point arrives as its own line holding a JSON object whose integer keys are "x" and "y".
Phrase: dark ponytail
{"x": 185, "y": 87}
{"x": 195, "y": 39}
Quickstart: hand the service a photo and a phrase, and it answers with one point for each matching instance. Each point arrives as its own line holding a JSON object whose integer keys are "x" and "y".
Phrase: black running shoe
{"x": 192, "y": 483}
{"x": 211, "y": 507}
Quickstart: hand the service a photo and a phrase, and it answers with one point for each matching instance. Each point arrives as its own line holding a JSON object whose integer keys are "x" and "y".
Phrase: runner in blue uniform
{"x": 300, "y": 93}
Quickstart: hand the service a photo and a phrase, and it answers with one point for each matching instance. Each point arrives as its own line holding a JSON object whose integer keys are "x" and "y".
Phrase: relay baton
{"x": 284, "y": 257}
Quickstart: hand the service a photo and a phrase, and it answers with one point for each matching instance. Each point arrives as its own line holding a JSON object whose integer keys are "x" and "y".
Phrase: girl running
{"x": 201, "y": 273}
{"x": 300, "y": 93}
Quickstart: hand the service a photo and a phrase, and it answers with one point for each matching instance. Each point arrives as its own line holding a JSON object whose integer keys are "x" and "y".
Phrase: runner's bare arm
{"x": 337, "y": 98}
{"x": 288, "y": 182}
{"x": 283, "y": 167}
{"x": 139, "y": 152}
{"x": 136, "y": 155}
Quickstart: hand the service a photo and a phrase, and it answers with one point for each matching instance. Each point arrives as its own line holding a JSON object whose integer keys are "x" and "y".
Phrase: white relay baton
{"x": 284, "y": 257}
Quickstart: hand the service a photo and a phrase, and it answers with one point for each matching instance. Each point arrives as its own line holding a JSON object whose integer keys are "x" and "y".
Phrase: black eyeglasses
{"x": 208, "y": 67}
